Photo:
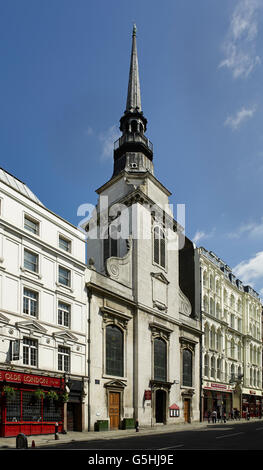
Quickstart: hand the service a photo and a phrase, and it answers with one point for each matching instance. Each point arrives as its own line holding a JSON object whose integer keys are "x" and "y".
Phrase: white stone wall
{"x": 14, "y": 324}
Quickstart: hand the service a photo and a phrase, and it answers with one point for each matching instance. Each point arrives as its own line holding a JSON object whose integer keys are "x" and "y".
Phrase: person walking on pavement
{"x": 214, "y": 416}
{"x": 208, "y": 416}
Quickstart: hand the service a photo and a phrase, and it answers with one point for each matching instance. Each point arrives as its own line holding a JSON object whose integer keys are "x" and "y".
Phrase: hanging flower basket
{"x": 52, "y": 396}
{"x": 64, "y": 397}
{"x": 8, "y": 391}
{"x": 39, "y": 394}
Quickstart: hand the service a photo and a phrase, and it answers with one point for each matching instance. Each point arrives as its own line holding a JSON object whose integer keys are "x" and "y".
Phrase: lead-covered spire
{"x": 133, "y": 151}
{"x": 134, "y": 93}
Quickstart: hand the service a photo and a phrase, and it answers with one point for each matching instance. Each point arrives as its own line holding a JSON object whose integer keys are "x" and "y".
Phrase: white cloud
{"x": 234, "y": 122}
{"x": 252, "y": 229}
{"x": 240, "y": 44}
{"x": 250, "y": 271}
{"x": 201, "y": 235}
{"x": 108, "y": 138}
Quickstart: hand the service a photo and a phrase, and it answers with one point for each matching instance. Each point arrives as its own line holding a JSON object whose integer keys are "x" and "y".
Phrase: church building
{"x": 143, "y": 331}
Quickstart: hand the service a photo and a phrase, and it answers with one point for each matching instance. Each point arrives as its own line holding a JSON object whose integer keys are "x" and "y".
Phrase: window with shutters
{"x": 159, "y": 246}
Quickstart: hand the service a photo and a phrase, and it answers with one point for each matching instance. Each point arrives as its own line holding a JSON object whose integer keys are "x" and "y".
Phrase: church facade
{"x": 144, "y": 332}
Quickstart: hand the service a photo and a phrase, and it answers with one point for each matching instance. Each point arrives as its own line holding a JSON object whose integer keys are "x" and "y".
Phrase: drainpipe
{"x": 89, "y": 340}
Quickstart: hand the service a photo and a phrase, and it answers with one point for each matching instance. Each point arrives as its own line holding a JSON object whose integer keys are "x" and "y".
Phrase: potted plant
{"x": 8, "y": 391}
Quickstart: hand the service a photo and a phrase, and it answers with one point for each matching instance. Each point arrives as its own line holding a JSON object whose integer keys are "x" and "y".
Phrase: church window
{"x": 160, "y": 360}
{"x": 110, "y": 243}
{"x": 187, "y": 368}
{"x": 114, "y": 351}
{"x": 159, "y": 246}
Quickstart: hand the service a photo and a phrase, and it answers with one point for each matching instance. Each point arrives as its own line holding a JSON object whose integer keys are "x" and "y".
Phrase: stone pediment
{"x": 31, "y": 325}
{"x": 115, "y": 384}
{"x": 66, "y": 335}
{"x": 4, "y": 319}
{"x": 161, "y": 277}
{"x": 185, "y": 306}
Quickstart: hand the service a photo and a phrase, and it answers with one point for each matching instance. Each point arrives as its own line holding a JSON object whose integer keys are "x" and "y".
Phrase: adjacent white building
{"x": 232, "y": 341}
{"x": 42, "y": 297}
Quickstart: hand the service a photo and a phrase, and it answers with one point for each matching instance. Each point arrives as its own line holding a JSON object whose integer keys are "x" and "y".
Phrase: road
{"x": 229, "y": 436}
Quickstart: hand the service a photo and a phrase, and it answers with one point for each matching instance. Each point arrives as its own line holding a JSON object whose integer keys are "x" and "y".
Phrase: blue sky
{"x": 64, "y": 77}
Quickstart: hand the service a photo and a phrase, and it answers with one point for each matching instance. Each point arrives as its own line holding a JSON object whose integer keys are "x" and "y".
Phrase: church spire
{"x": 134, "y": 93}
{"x": 133, "y": 151}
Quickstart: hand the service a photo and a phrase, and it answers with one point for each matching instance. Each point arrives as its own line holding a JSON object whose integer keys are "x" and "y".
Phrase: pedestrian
{"x": 248, "y": 415}
{"x": 208, "y": 416}
{"x": 214, "y": 416}
{"x": 224, "y": 417}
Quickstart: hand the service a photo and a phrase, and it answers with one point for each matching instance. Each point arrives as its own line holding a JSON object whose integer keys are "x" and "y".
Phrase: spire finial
{"x": 134, "y": 94}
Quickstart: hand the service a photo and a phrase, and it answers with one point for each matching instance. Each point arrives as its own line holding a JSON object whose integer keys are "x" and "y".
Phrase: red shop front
{"x": 31, "y": 404}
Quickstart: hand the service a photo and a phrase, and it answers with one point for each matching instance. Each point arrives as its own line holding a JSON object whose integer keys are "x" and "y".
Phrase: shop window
{"x": 187, "y": 368}
{"x": 52, "y": 410}
{"x": 114, "y": 351}
{"x": 31, "y": 409}
{"x": 160, "y": 360}
{"x": 13, "y": 408}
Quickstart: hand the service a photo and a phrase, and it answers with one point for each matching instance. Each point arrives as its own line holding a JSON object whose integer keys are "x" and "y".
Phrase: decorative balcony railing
{"x": 133, "y": 137}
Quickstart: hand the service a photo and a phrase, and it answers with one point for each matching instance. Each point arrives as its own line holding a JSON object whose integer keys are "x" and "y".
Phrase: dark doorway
{"x": 160, "y": 406}
{"x": 74, "y": 417}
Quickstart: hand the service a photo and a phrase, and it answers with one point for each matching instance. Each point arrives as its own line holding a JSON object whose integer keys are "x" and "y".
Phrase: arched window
{"x": 219, "y": 369}
{"x": 134, "y": 126}
{"x": 187, "y": 368}
{"x": 219, "y": 340}
{"x": 205, "y": 304}
{"x": 212, "y": 338}
{"x": 213, "y": 367}
{"x": 239, "y": 352}
{"x": 232, "y": 371}
{"x": 160, "y": 360}
{"x": 218, "y": 310}
{"x": 206, "y": 336}
{"x": 205, "y": 278}
{"x": 206, "y": 363}
{"x": 233, "y": 351}
{"x": 159, "y": 246}
{"x": 114, "y": 351}
{"x": 110, "y": 243}
{"x": 212, "y": 306}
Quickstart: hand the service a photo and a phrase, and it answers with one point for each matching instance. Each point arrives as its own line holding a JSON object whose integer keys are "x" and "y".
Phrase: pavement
{"x": 73, "y": 436}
